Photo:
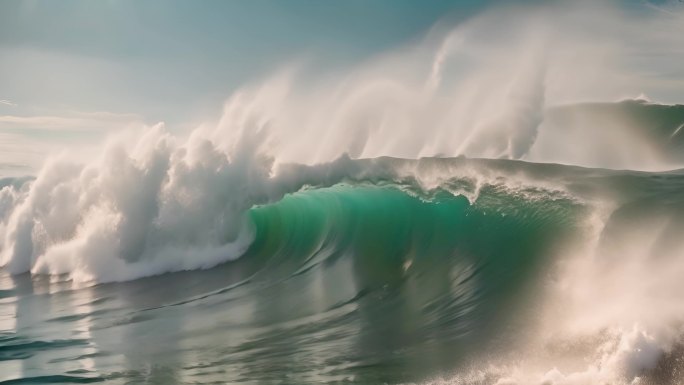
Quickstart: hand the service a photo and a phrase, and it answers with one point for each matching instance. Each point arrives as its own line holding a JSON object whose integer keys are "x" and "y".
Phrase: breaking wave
{"x": 431, "y": 172}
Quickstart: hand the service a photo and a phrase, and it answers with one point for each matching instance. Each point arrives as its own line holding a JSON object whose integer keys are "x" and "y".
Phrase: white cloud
{"x": 8, "y": 102}
{"x": 73, "y": 121}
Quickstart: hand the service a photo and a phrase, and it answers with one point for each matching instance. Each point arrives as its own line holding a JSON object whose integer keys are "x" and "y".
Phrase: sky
{"x": 74, "y": 70}
{"x": 158, "y": 58}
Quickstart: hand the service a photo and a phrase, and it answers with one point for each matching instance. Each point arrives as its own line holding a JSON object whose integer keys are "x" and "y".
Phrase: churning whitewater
{"x": 432, "y": 216}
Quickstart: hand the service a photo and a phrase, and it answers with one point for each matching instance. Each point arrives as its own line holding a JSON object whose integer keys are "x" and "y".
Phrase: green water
{"x": 364, "y": 284}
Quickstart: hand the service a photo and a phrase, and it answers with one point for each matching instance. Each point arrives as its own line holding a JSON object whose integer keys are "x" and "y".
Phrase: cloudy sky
{"x": 73, "y": 70}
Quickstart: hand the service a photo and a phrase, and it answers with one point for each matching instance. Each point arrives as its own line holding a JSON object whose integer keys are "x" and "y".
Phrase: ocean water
{"x": 364, "y": 284}
{"x": 379, "y": 280}
{"x": 492, "y": 205}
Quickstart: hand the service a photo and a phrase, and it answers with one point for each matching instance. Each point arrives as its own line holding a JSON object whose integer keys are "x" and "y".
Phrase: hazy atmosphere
{"x": 371, "y": 192}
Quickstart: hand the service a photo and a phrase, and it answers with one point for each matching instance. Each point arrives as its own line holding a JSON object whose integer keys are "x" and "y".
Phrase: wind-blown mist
{"x": 486, "y": 89}
{"x": 552, "y": 84}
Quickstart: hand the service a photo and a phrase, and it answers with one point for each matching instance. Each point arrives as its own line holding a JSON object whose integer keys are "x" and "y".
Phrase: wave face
{"x": 447, "y": 256}
{"x": 193, "y": 215}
